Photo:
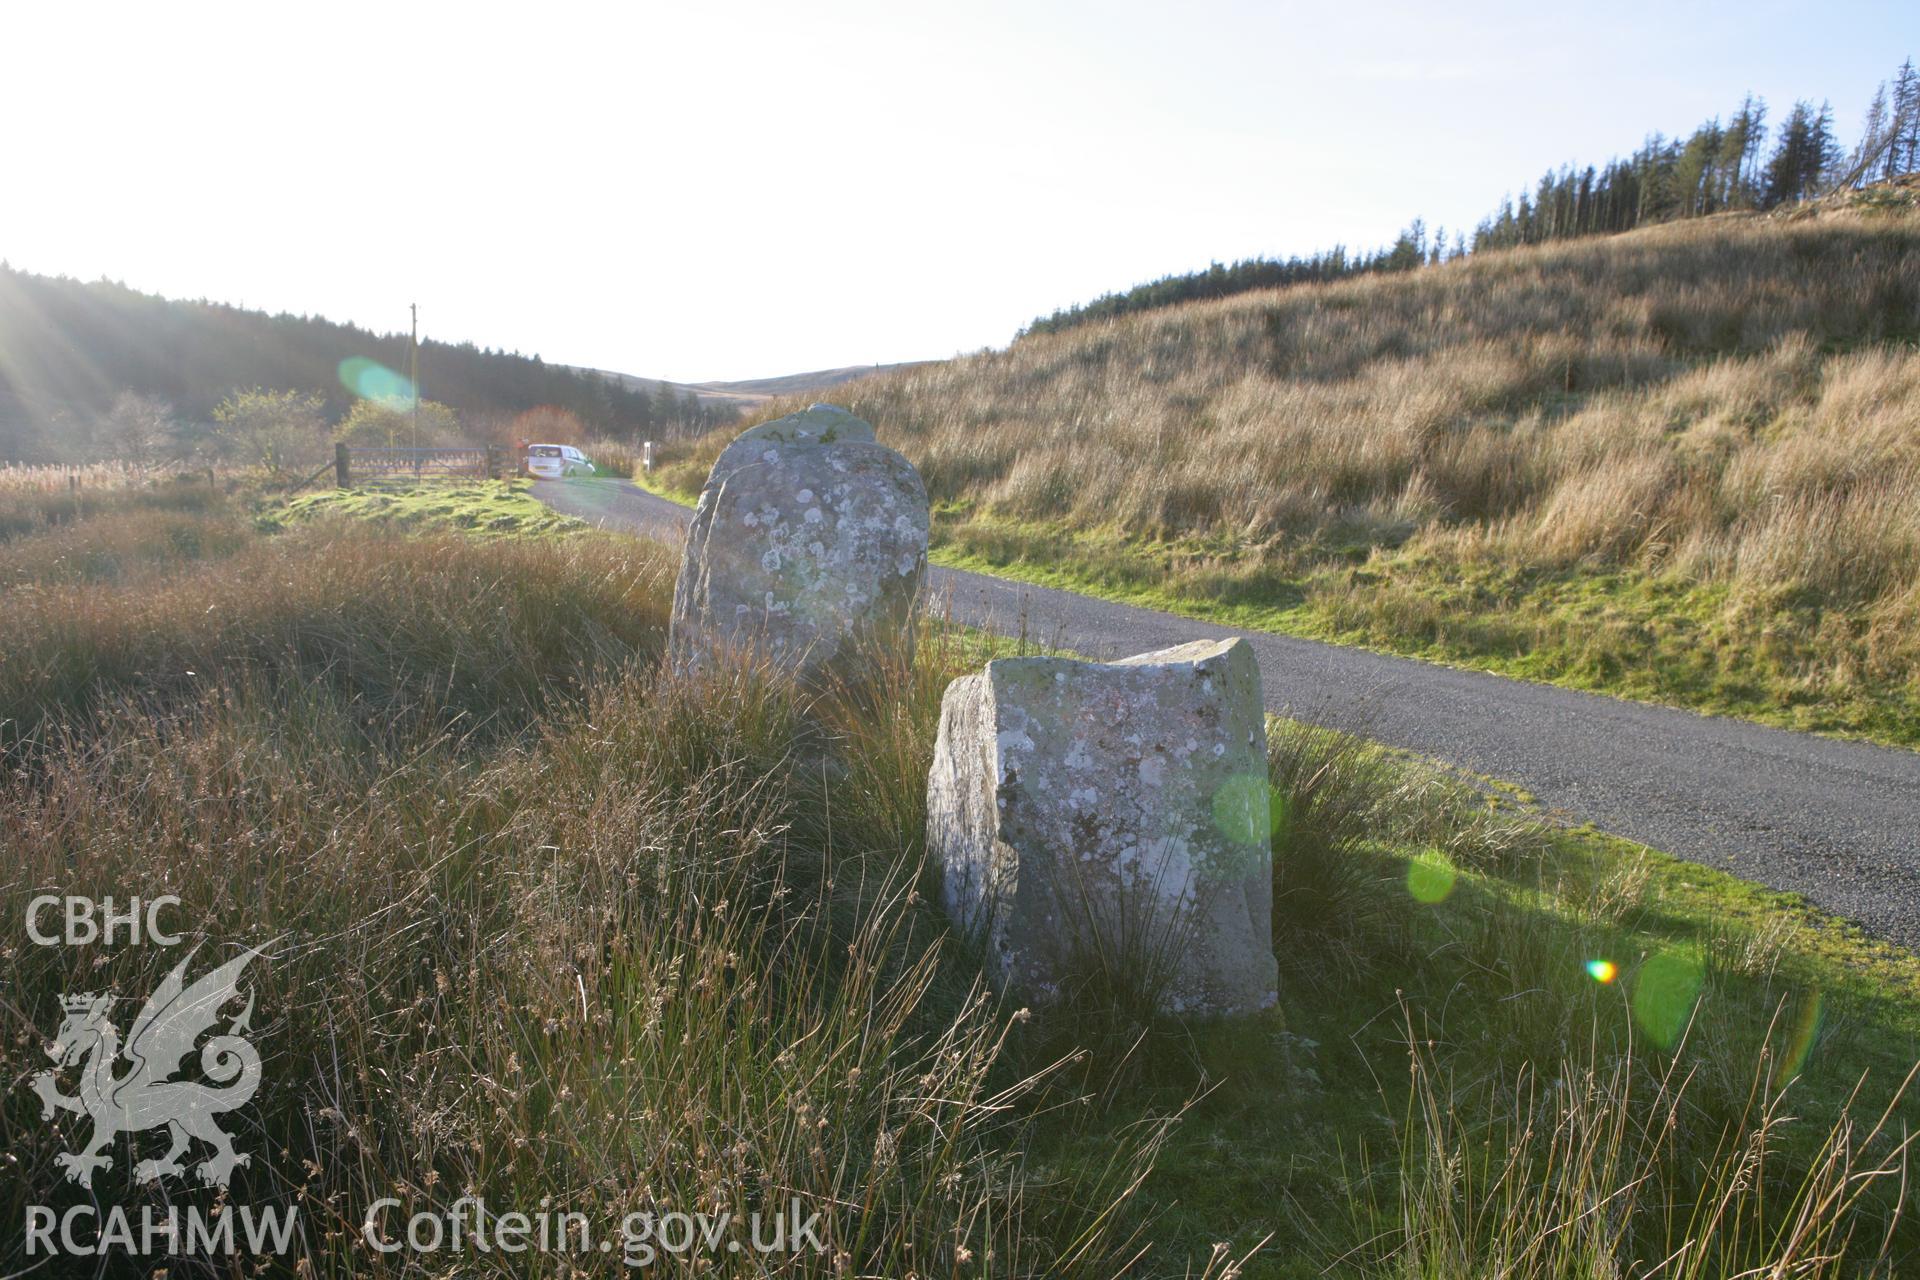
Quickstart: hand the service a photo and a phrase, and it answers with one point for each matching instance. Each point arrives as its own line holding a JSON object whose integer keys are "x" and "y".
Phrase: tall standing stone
{"x": 1090, "y": 815}
{"x": 809, "y": 543}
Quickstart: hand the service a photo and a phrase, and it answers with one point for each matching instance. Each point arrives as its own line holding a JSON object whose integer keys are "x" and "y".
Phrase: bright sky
{"x": 733, "y": 190}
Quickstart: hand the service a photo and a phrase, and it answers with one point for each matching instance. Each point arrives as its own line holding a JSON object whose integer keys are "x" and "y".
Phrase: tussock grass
{"x": 481, "y": 634}
{"x": 542, "y": 923}
{"x": 121, "y": 545}
{"x": 603, "y": 971}
{"x": 1593, "y": 1171}
{"x": 27, "y": 507}
{"x": 1728, "y": 408}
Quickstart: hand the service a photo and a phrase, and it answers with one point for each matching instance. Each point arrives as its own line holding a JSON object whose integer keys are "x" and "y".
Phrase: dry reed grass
{"x": 1731, "y": 401}
{"x": 24, "y": 478}
{"x": 542, "y": 927}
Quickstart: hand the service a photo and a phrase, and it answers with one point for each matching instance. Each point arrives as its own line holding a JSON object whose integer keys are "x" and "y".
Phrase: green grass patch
{"x": 1632, "y": 635}
{"x": 679, "y": 482}
{"x": 489, "y": 508}
{"x": 1429, "y": 931}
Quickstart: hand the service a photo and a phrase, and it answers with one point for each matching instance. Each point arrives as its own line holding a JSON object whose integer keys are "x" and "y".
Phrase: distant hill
{"x": 1723, "y": 166}
{"x": 742, "y": 397}
{"x": 68, "y": 348}
{"x": 711, "y": 400}
{"x": 1680, "y": 463}
{"x": 795, "y": 384}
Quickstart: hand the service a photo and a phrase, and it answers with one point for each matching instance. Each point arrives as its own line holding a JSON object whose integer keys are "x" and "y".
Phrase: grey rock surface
{"x": 817, "y": 424}
{"x": 1101, "y": 822}
{"x": 807, "y": 548}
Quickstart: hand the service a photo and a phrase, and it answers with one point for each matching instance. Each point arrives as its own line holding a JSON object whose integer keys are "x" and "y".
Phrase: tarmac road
{"x": 1838, "y": 822}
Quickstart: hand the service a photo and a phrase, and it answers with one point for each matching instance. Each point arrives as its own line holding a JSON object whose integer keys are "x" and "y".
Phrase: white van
{"x": 557, "y": 461}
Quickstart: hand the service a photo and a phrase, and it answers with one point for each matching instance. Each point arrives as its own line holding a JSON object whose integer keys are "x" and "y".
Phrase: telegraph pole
{"x": 413, "y": 369}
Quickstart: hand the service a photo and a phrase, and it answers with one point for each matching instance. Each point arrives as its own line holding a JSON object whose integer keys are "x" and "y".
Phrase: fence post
{"x": 646, "y": 457}
{"x": 341, "y": 475}
{"x": 493, "y": 462}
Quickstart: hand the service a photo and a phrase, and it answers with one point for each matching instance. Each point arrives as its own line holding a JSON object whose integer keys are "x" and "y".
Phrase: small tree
{"x": 271, "y": 429}
{"x": 137, "y": 428}
{"x": 194, "y": 441}
{"x": 379, "y": 424}
{"x": 549, "y": 424}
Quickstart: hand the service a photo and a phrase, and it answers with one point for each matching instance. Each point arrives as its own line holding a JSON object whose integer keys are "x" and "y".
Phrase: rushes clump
{"x": 619, "y": 945}
{"x": 481, "y": 636}
{"x": 1596, "y": 1171}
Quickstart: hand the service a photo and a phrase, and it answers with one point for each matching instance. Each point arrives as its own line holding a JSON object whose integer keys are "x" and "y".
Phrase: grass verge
{"x": 1622, "y": 633}
{"x": 1767, "y": 657}
{"x": 490, "y": 508}
{"x": 543, "y": 924}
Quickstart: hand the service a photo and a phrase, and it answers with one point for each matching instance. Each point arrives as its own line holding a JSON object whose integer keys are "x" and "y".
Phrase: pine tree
{"x": 1903, "y": 156}
{"x": 1868, "y": 156}
{"x": 1794, "y": 169}
{"x": 1740, "y": 148}
{"x": 1695, "y": 180}
{"x": 666, "y": 409}
{"x": 1826, "y": 158}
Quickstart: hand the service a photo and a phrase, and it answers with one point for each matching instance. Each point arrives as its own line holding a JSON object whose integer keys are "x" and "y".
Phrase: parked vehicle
{"x": 557, "y": 462}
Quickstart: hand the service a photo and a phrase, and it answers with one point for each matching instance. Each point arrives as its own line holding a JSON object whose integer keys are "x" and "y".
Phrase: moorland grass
{"x": 1681, "y": 464}
{"x": 544, "y": 923}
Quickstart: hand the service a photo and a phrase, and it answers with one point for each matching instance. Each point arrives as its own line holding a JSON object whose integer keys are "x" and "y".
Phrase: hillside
{"x": 1724, "y": 165}
{"x": 704, "y": 395}
{"x": 68, "y": 348}
{"x": 745, "y": 396}
{"x": 795, "y": 384}
{"x": 1680, "y": 464}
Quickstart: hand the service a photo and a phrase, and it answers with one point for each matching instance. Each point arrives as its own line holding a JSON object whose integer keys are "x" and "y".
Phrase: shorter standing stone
{"x": 809, "y": 543}
{"x": 1090, "y": 815}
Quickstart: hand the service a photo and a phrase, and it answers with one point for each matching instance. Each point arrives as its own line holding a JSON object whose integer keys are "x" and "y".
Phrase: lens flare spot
{"x": 1279, "y": 814}
{"x": 1241, "y": 810}
{"x": 1664, "y": 993}
{"x": 1602, "y": 970}
{"x": 371, "y": 380}
{"x": 1430, "y": 878}
{"x": 1804, "y": 1034}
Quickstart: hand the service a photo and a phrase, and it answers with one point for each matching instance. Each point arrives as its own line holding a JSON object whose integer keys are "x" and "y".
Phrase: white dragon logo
{"x": 145, "y": 1097}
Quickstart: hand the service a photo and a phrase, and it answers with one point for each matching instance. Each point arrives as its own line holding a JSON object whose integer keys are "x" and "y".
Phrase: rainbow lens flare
{"x": 1803, "y": 1035}
{"x": 1602, "y": 970}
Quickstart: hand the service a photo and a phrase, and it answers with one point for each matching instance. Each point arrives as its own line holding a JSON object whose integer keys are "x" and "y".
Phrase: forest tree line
{"x": 74, "y": 354}
{"x": 1719, "y": 166}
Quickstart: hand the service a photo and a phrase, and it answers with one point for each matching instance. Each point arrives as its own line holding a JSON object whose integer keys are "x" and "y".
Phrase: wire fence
{"x": 354, "y": 463}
